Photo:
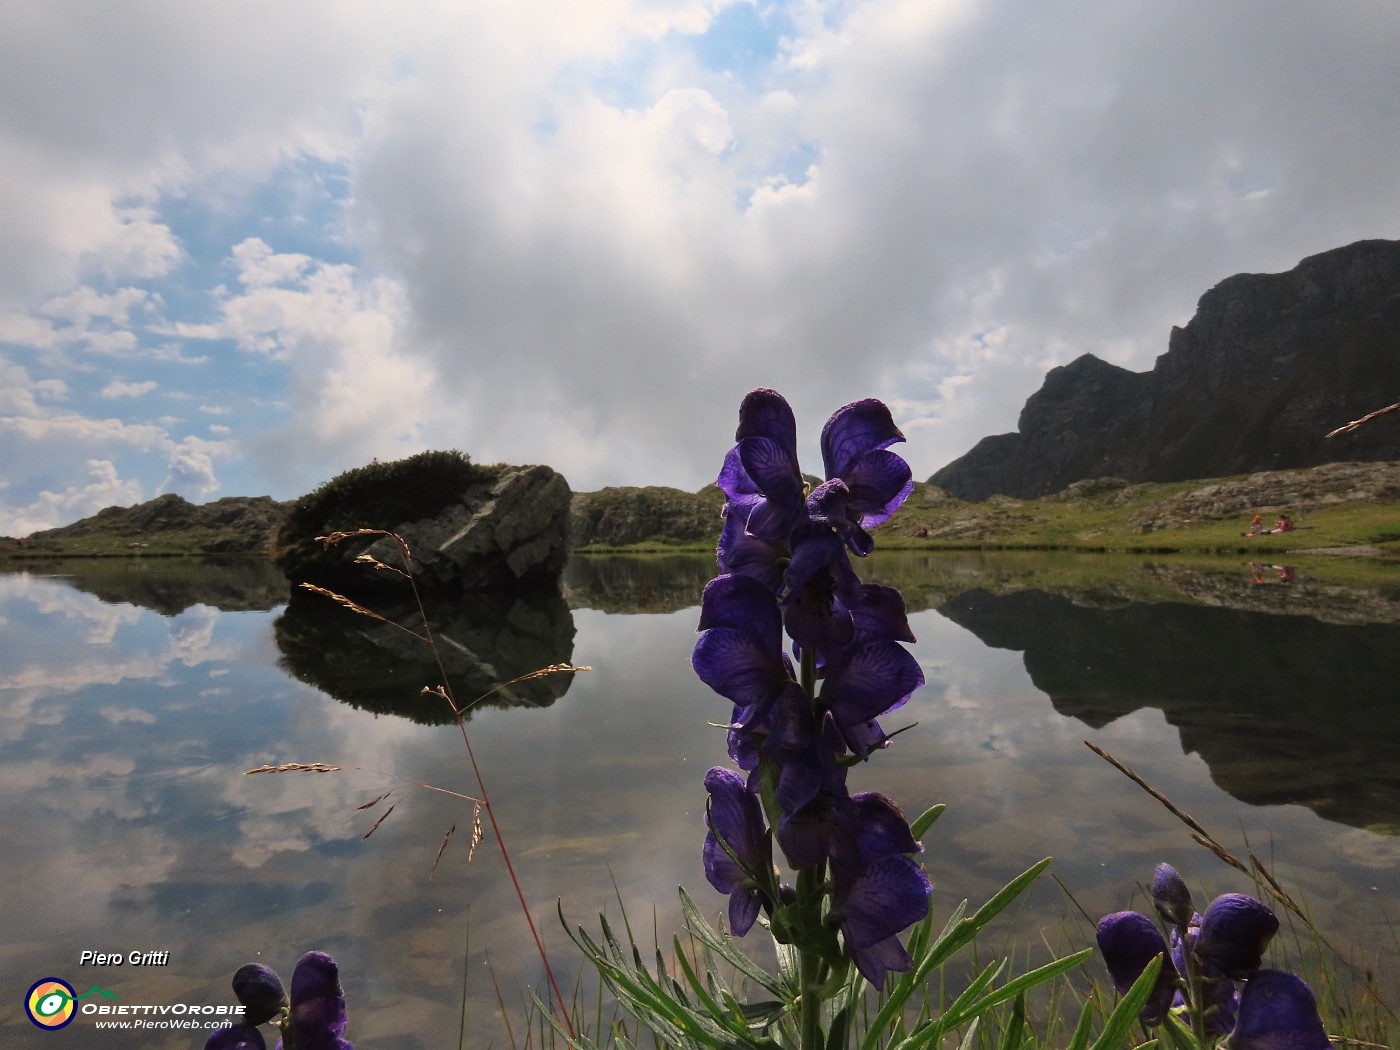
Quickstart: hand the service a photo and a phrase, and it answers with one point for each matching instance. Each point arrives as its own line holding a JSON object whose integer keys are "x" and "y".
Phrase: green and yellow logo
{"x": 52, "y": 1003}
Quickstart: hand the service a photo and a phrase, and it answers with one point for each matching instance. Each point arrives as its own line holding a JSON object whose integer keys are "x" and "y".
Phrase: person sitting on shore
{"x": 1285, "y": 524}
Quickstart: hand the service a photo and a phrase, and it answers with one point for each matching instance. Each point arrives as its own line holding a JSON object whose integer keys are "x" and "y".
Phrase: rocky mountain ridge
{"x": 1269, "y": 365}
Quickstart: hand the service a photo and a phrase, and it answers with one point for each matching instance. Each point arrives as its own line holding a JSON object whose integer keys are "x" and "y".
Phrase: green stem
{"x": 809, "y": 894}
{"x": 809, "y": 890}
{"x": 1195, "y": 992}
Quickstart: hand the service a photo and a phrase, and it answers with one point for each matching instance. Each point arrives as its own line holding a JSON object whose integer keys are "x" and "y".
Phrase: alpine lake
{"x": 1262, "y": 700}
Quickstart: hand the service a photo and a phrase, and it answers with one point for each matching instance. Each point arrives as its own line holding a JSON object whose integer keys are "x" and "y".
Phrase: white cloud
{"x": 191, "y": 471}
{"x": 103, "y": 488}
{"x": 576, "y": 241}
{"x": 357, "y": 393}
{"x": 118, "y": 388}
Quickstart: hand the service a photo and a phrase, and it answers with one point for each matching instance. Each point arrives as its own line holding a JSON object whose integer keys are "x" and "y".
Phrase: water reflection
{"x": 169, "y": 586}
{"x": 483, "y": 639}
{"x": 1284, "y": 709}
{"x": 125, "y": 735}
{"x": 653, "y": 583}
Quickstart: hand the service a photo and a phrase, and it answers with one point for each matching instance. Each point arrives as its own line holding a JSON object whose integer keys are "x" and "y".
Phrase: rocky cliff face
{"x": 1267, "y": 367}
{"x": 506, "y": 528}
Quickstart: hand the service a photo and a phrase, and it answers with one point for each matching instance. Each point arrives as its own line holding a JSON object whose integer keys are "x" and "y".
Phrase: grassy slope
{"x": 1155, "y": 518}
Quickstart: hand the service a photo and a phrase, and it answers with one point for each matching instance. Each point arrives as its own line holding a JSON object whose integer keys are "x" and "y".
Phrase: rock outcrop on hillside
{"x": 1267, "y": 367}
{"x": 504, "y": 527}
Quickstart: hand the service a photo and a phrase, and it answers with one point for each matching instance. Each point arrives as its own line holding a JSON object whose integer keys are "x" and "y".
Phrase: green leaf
{"x": 1024, "y": 983}
{"x": 970, "y": 1040}
{"x": 926, "y": 818}
{"x": 1179, "y": 1036}
{"x": 1015, "y": 1030}
{"x": 1125, "y": 1014}
{"x": 836, "y": 1034}
{"x": 1080, "y": 1040}
{"x": 697, "y": 925}
{"x": 957, "y": 933}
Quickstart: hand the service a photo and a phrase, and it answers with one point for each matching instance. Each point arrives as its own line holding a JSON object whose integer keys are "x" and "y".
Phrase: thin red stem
{"x": 486, "y": 798}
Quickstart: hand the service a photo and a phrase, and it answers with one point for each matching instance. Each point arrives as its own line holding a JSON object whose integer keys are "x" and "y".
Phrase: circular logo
{"x": 49, "y": 1003}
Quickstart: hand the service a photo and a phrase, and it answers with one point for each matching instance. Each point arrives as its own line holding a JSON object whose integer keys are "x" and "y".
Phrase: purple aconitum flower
{"x": 260, "y": 991}
{"x": 1129, "y": 941}
{"x": 1278, "y": 1012}
{"x": 241, "y": 1036}
{"x": 1235, "y": 930}
{"x": 1170, "y": 896}
{"x": 887, "y": 896}
{"x": 764, "y": 488}
{"x": 317, "y": 1020}
{"x": 735, "y": 815}
{"x": 740, "y": 651}
{"x": 866, "y": 681}
{"x": 850, "y": 831}
{"x": 855, "y": 449}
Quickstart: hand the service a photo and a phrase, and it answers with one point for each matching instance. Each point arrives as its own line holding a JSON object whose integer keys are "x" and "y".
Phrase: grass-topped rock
{"x": 469, "y": 527}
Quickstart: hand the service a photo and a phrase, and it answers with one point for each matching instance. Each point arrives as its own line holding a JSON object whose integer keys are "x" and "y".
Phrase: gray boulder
{"x": 508, "y": 528}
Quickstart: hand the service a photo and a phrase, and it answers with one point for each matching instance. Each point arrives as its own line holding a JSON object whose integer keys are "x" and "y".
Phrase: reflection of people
{"x": 1285, "y": 572}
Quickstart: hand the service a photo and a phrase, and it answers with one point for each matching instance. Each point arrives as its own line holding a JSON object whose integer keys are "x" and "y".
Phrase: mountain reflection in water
{"x": 1284, "y": 709}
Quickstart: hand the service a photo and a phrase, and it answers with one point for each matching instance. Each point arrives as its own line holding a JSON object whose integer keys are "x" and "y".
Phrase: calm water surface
{"x": 135, "y": 696}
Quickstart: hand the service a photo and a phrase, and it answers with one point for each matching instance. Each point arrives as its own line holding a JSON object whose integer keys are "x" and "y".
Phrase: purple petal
{"x": 877, "y": 612}
{"x": 318, "y": 1004}
{"x": 1128, "y": 942}
{"x": 241, "y": 1036}
{"x": 260, "y": 991}
{"x": 735, "y": 813}
{"x": 743, "y": 911}
{"x": 853, "y": 430}
{"x": 1235, "y": 930}
{"x": 879, "y": 483}
{"x": 766, "y": 413}
{"x": 890, "y": 895}
{"x": 773, "y": 469}
{"x": 870, "y": 680}
{"x": 771, "y": 520}
{"x": 876, "y": 960}
{"x": 1170, "y": 896}
{"x": 814, "y": 549}
{"x": 864, "y": 737}
{"x": 739, "y": 667}
{"x": 734, "y": 480}
{"x": 1278, "y": 1012}
{"x": 743, "y": 603}
{"x": 742, "y": 554}
{"x": 881, "y": 829}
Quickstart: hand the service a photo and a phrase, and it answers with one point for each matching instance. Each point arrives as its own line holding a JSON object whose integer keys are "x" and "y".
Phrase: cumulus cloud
{"x": 103, "y": 488}
{"x": 1070, "y": 181}
{"x": 117, "y": 388}
{"x": 578, "y": 234}
{"x": 191, "y": 471}
{"x": 357, "y": 393}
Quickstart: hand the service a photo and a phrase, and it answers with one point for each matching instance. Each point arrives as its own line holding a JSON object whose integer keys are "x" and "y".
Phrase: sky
{"x": 246, "y": 245}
